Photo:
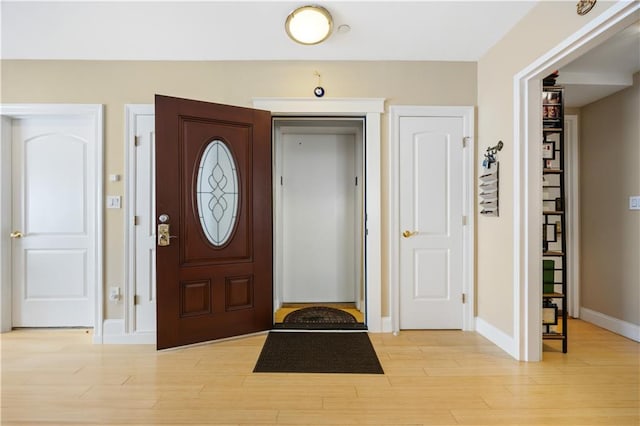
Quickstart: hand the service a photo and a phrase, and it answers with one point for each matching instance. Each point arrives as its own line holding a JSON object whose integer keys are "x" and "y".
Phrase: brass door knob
{"x": 408, "y": 234}
{"x": 16, "y": 234}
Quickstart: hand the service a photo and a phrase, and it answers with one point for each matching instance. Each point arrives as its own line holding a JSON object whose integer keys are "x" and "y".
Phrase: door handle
{"x": 16, "y": 234}
{"x": 408, "y": 234}
{"x": 164, "y": 239}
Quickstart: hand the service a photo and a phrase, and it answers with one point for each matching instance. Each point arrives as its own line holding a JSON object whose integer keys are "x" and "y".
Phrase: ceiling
{"x": 254, "y": 30}
{"x": 603, "y": 70}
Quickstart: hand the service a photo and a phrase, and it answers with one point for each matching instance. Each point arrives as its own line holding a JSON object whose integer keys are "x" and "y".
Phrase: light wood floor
{"x": 431, "y": 378}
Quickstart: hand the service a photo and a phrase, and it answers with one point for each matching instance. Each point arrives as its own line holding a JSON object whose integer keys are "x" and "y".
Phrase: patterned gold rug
{"x": 320, "y": 316}
{"x": 287, "y": 308}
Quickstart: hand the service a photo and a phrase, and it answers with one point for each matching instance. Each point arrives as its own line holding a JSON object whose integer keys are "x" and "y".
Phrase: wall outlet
{"x": 114, "y": 294}
{"x": 634, "y": 202}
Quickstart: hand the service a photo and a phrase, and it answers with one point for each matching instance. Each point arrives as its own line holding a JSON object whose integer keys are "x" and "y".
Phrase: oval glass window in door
{"x": 217, "y": 193}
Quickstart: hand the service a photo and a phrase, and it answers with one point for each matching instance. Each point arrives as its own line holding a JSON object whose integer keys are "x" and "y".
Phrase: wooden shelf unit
{"x": 554, "y": 296}
{"x": 554, "y": 336}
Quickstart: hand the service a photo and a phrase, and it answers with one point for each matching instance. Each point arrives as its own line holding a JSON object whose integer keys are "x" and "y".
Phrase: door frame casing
{"x": 526, "y": 344}
{"x": 572, "y": 183}
{"x": 94, "y": 112}
{"x": 6, "y": 290}
{"x": 124, "y": 331}
{"x": 371, "y": 109}
{"x": 468, "y": 205}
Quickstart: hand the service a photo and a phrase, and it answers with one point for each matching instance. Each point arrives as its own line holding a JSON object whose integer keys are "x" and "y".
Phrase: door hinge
{"x": 136, "y": 141}
{"x": 356, "y": 180}
{"x": 464, "y": 220}
{"x": 136, "y": 220}
{"x": 281, "y": 181}
{"x": 136, "y": 299}
{"x": 464, "y": 141}
{"x": 464, "y": 298}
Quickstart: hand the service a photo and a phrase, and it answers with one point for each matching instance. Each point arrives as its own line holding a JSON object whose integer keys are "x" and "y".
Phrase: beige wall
{"x": 548, "y": 24}
{"x": 609, "y": 231}
{"x": 115, "y": 84}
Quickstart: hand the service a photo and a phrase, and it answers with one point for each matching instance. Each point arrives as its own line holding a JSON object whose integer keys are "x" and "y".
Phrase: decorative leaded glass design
{"x": 217, "y": 192}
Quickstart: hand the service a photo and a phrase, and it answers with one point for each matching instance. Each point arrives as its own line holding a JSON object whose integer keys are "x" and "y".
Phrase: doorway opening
{"x": 138, "y": 325}
{"x": 527, "y": 344}
{"x": 319, "y": 213}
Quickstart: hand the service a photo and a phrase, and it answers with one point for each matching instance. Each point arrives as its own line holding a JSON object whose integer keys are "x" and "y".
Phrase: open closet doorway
{"x": 319, "y": 216}
{"x": 528, "y": 130}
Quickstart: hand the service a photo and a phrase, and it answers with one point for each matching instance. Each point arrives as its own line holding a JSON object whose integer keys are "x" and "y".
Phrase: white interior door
{"x": 54, "y": 221}
{"x": 142, "y": 265}
{"x": 319, "y": 218}
{"x": 431, "y": 178}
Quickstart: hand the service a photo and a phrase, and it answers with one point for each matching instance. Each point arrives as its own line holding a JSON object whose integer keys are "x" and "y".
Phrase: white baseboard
{"x": 386, "y": 325}
{"x": 618, "y": 326}
{"x": 496, "y": 336}
{"x": 113, "y": 332}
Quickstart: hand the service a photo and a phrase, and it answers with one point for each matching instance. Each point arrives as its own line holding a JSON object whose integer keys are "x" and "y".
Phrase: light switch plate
{"x": 634, "y": 202}
{"x": 113, "y": 201}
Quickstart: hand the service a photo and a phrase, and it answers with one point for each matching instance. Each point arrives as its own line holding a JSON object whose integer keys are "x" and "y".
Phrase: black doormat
{"x": 318, "y": 352}
{"x": 320, "y": 318}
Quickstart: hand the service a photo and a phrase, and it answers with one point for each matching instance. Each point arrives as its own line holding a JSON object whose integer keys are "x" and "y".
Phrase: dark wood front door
{"x": 213, "y": 184}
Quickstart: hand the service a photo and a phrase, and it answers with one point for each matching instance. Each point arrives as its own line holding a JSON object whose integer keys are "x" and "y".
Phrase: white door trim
{"x": 125, "y": 331}
{"x": 572, "y": 184}
{"x": 527, "y": 173}
{"x": 371, "y": 108}
{"x": 6, "y": 285}
{"x": 94, "y": 112}
{"x": 468, "y": 205}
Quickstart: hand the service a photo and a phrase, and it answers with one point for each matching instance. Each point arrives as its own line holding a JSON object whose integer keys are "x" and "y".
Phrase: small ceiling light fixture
{"x": 309, "y": 24}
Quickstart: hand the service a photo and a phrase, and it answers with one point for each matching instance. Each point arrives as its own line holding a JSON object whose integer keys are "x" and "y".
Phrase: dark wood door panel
{"x": 238, "y": 137}
{"x": 207, "y": 291}
{"x": 217, "y": 295}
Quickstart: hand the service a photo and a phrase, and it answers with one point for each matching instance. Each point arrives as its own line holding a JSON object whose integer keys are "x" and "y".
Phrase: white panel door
{"x": 53, "y": 221}
{"x": 319, "y": 236}
{"x": 431, "y": 221}
{"x": 143, "y": 268}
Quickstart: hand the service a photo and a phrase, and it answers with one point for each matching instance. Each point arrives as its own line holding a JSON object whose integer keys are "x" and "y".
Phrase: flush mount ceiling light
{"x": 309, "y": 24}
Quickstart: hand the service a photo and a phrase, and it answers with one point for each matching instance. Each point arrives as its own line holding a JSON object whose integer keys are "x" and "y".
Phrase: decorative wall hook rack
{"x": 495, "y": 149}
{"x": 490, "y": 182}
{"x": 490, "y": 155}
